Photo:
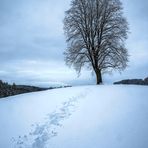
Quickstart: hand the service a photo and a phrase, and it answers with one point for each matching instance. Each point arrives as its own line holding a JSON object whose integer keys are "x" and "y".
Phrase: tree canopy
{"x": 96, "y": 31}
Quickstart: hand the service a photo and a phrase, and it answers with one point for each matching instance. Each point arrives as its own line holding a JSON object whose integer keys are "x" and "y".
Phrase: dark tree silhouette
{"x": 96, "y": 32}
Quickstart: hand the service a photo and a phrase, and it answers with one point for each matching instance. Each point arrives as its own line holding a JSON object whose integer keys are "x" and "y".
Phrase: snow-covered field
{"x": 104, "y": 116}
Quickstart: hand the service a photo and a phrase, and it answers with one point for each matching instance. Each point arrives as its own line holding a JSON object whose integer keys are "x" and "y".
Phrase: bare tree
{"x": 96, "y": 32}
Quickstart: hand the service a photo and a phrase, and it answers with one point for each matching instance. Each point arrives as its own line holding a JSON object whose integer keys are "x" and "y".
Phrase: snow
{"x": 105, "y": 116}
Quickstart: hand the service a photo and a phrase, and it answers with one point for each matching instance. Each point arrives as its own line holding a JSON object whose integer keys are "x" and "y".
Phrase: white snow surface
{"x": 105, "y": 116}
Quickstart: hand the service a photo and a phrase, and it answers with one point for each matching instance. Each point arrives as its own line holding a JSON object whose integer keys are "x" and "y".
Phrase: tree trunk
{"x": 98, "y": 77}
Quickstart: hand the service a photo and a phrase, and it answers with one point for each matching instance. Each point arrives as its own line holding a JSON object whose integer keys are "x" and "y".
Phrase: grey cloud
{"x": 29, "y": 34}
{"x": 32, "y": 41}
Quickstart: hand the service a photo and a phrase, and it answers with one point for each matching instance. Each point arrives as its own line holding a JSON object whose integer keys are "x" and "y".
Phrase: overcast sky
{"x": 32, "y": 42}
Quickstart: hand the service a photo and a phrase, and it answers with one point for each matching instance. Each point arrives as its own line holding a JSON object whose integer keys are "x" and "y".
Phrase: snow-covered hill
{"x": 78, "y": 117}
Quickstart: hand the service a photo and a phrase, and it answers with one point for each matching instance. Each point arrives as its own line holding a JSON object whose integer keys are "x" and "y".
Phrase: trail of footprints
{"x": 42, "y": 133}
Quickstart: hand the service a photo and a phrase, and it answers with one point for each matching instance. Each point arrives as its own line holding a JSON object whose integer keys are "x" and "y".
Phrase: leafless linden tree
{"x": 96, "y": 31}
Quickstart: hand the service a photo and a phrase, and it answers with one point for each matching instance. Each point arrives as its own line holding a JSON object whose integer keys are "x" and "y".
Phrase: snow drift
{"x": 78, "y": 117}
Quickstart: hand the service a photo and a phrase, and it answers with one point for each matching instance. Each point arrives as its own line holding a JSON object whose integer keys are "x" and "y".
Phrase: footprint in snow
{"x": 42, "y": 133}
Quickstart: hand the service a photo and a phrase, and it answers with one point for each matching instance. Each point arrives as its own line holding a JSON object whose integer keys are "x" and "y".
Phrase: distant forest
{"x": 13, "y": 89}
{"x": 9, "y": 90}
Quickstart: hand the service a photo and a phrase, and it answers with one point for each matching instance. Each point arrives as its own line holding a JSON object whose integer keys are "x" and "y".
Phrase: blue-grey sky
{"x": 32, "y": 42}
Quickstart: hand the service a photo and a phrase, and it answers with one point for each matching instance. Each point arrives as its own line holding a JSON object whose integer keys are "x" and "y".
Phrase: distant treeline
{"x": 10, "y": 90}
{"x": 134, "y": 81}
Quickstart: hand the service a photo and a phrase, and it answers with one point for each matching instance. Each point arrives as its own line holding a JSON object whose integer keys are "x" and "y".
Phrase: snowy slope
{"x": 78, "y": 117}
